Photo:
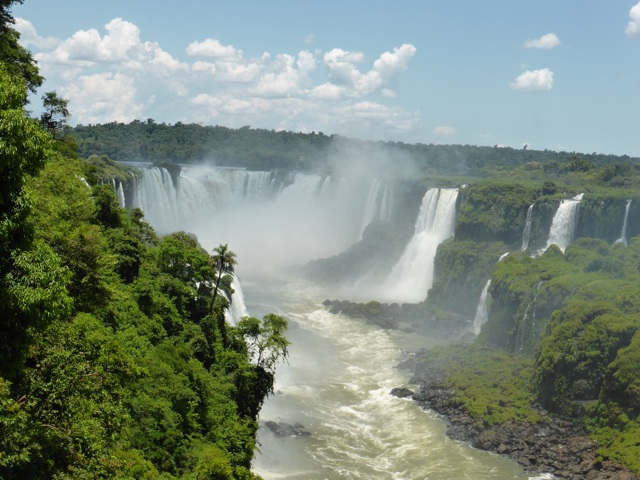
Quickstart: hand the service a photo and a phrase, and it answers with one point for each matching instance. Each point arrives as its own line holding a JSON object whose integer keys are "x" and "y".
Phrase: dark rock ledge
{"x": 282, "y": 429}
{"x": 555, "y": 446}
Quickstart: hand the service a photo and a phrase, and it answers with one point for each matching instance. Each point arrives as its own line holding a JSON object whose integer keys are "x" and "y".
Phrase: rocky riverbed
{"x": 554, "y": 445}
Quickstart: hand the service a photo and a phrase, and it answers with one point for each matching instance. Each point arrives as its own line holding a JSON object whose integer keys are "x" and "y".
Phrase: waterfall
{"x": 623, "y": 234}
{"x": 482, "y": 312}
{"x": 412, "y": 276}
{"x": 119, "y": 191}
{"x": 371, "y": 205}
{"x": 563, "y": 224}
{"x": 386, "y": 204}
{"x": 238, "y": 309}
{"x": 268, "y": 224}
{"x": 526, "y": 233}
{"x": 520, "y": 333}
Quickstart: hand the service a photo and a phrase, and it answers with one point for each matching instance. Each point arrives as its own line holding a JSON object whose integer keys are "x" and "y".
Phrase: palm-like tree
{"x": 223, "y": 260}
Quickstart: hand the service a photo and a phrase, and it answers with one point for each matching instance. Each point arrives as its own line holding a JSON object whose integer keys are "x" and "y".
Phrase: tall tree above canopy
{"x": 55, "y": 114}
{"x": 17, "y": 60}
{"x": 223, "y": 261}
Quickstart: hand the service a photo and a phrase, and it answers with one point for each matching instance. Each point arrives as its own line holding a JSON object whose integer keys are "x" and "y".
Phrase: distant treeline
{"x": 260, "y": 149}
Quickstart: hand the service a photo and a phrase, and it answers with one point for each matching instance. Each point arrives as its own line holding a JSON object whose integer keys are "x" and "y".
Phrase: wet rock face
{"x": 282, "y": 429}
{"x": 402, "y": 393}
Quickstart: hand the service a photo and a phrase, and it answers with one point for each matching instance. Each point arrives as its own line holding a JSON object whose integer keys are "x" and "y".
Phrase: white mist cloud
{"x": 534, "y": 81}
{"x": 548, "y": 41}
{"x": 444, "y": 131}
{"x": 633, "y": 27}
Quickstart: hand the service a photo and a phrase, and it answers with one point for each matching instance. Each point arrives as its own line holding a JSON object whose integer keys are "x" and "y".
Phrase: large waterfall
{"x": 270, "y": 223}
{"x": 412, "y": 276}
{"x": 563, "y": 225}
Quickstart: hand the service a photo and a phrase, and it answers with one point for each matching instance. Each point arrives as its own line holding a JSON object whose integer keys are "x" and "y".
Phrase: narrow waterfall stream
{"x": 526, "y": 232}
{"x": 623, "y": 233}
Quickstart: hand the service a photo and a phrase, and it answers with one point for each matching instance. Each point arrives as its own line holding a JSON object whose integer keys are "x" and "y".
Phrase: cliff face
{"x": 573, "y": 308}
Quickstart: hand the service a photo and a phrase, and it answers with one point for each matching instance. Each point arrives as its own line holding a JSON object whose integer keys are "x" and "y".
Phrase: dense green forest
{"x": 116, "y": 360}
{"x": 260, "y": 149}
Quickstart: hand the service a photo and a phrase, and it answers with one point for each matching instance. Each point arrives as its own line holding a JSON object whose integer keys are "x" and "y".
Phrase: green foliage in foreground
{"x": 116, "y": 360}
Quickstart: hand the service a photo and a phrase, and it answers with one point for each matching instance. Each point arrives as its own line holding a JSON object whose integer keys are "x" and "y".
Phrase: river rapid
{"x": 337, "y": 385}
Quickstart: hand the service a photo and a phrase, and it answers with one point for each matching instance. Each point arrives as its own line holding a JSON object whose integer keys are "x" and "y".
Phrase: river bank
{"x": 553, "y": 445}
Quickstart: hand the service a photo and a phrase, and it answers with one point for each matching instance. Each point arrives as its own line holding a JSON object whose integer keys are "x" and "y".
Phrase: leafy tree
{"x": 17, "y": 60}
{"x": 265, "y": 339}
{"x": 55, "y": 114}
{"x": 223, "y": 261}
{"x": 32, "y": 282}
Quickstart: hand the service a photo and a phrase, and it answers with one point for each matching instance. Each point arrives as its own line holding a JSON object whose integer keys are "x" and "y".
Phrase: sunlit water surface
{"x": 337, "y": 385}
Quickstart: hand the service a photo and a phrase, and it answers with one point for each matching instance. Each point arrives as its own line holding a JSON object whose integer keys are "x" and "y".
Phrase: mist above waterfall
{"x": 274, "y": 220}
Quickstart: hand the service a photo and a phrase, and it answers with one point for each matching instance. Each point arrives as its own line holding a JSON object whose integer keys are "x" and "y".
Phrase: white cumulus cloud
{"x": 29, "y": 36}
{"x": 534, "y": 81}
{"x": 213, "y": 48}
{"x": 547, "y": 41}
{"x": 113, "y": 74}
{"x": 633, "y": 27}
{"x": 96, "y": 97}
{"x": 343, "y": 70}
{"x": 121, "y": 45}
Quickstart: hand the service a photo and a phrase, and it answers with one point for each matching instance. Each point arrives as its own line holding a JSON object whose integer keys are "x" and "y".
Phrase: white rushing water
{"x": 623, "y": 233}
{"x": 564, "y": 222}
{"x": 482, "y": 312}
{"x": 412, "y": 276}
{"x": 304, "y": 217}
{"x": 526, "y": 232}
{"x": 341, "y": 370}
{"x": 238, "y": 308}
{"x": 337, "y": 385}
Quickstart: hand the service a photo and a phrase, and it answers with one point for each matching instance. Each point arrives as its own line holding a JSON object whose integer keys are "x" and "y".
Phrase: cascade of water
{"x": 307, "y": 216}
{"x": 563, "y": 224}
{"x": 523, "y": 326}
{"x": 371, "y": 205}
{"x": 238, "y": 309}
{"x": 482, "y": 312}
{"x": 412, "y": 276}
{"x": 526, "y": 233}
{"x": 386, "y": 204}
{"x": 156, "y": 196}
{"x": 120, "y": 194}
{"x": 623, "y": 234}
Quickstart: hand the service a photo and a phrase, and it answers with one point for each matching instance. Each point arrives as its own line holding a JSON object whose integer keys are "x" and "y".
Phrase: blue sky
{"x": 554, "y": 74}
